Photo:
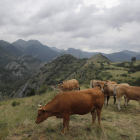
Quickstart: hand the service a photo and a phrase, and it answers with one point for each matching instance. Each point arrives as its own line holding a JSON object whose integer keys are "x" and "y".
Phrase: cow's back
{"x": 132, "y": 92}
{"x": 79, "y": 102}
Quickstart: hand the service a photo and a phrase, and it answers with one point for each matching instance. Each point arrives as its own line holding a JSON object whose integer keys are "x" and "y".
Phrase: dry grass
{"x": 18, "y": 123}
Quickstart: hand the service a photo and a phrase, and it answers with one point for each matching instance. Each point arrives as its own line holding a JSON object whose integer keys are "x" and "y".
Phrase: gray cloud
{"x": 72, "y": 23}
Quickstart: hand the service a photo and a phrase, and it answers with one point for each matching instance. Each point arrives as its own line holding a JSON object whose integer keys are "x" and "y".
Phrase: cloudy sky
{"x": 90, "y": 25}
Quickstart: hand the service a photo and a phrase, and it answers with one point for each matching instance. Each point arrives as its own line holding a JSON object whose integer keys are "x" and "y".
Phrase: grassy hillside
{"x": 25, "y": 66}
{"x": 7, "y": 81}
{"x": 53, "y": 73}
{"x": 116, "y": 124}
{"x": 97, "y": 67}
{"x": 91, "y": 69}
{"x": 16, "y": 73}
{"x": 5, "y": 56}
{"x": 18, "y": 116}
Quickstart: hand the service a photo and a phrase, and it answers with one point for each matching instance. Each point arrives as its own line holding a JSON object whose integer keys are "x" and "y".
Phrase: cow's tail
{"x": 91, "y": 84}
{"x": 114, "y": 92}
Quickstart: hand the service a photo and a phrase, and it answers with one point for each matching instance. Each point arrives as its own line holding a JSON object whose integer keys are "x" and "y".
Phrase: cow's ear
{"x": 97, "y": 83}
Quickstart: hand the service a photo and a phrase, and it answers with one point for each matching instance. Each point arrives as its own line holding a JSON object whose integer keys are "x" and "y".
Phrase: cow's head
{"x": 105, "y": 89}
{"x": 60, "y": 87}
{"x": 42, "y": 114}
{"x": 101, "y": 85}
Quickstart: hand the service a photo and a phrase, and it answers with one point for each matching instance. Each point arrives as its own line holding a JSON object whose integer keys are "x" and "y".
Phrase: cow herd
{"x": 111, "y": 88}
{"x": 69, "y": 101}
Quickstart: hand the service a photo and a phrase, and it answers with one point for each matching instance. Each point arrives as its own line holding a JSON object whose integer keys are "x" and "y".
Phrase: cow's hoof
{"x": 62, "y": 134}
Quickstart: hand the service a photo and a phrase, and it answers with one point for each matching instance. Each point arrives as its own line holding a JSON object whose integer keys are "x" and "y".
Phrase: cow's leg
{"x": 127, "y": 100}
{"x": 114, "y": 99}
{"x": 93, "y": 113}
{"x": 104, "y": 100}
{"x": 139, "y": 104}
{"x": 66, "y": 118}
{"x": 68, "y": 124}
{"x": 99, "y": 116}
{"x": 108, "y": 97}
{"x": 124, "y": 100}
{"x": 119, "y": 100}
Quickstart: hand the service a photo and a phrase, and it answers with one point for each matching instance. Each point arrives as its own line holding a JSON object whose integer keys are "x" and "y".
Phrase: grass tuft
{"x": 19, "y": 122}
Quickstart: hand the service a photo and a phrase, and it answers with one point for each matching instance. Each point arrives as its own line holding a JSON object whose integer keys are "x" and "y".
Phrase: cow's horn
{"x": 39, "y": 105}
{"x": 39, "y": 108}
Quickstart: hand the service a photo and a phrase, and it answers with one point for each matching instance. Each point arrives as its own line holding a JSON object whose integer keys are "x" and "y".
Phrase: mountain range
{"x": 124, "y": 55}
{"x": 21, "y": 60}
{"x": 35, "y": 49}
{"x": 11, "y": 51}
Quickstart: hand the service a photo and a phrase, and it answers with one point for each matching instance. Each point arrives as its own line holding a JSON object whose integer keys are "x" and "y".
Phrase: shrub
{"x": 14, "y": 103}
{"x": 31, "y": 93}
{"x": 124, "y": 75}
{"x": 109, "y": 76}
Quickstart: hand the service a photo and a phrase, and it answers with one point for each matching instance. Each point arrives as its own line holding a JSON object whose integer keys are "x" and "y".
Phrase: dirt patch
{"x": 124, "y": 136}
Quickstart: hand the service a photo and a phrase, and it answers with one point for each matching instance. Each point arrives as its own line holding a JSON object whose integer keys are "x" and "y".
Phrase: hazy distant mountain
{"x": 124, "y": 55}
{"x": 118, "y": 56}
{"x": 46, "y": 54}
{"x": 36, "y": 49}
{"x": 23, "y": 45}
{"x": 8, "y": 53}
{"x": 130, "y": 52}
{"x": 137, "y": 57}
{"x": 75, "y": 52}
{"x": 57, "y": 50}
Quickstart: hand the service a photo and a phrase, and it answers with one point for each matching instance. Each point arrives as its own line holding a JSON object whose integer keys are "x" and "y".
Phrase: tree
{"x": 133, "y": 59}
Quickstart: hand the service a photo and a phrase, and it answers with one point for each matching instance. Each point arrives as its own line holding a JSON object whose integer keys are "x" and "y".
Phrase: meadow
{"x": 18, "y": 116}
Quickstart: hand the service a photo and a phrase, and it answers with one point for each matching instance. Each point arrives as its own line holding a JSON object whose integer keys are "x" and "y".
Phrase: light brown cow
{"x": 94, "y": 83}
{"x": 131, "y": 93}
{"x": 69, "y": 85}
{"x": 108, "y": 97}
{"x": 66, "y": 87}
{"x": 101, "y": 85}
{"x": 111, "y": 82}
{"x": 75, "y": 82}
{"x": 109, "y": 90}
{"x": 74, "y": 102}
{"x": 69, "y": 81}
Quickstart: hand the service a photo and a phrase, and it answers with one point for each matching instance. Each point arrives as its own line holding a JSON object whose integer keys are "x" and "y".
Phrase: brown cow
{"x": 74, "y": 102}
{"x": 131, "y": 93}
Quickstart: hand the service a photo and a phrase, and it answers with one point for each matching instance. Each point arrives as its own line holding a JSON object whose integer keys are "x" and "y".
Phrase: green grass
{"x": 18, "y": 122}
{"x": 136, "y": 74}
